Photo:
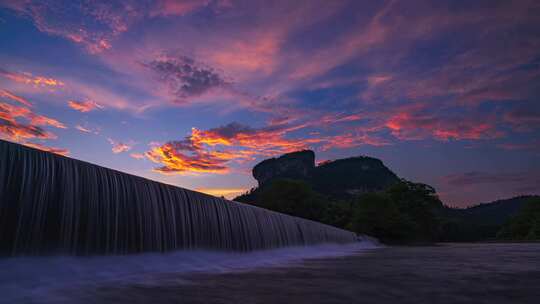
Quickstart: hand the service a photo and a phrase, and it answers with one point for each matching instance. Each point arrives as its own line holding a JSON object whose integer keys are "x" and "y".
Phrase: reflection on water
{"x": 454, "y": 273}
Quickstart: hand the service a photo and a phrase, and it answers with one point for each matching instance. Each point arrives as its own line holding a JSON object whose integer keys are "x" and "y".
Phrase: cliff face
{"x": 352, "y": 176}
{"x": 296, "y": 165}
{"x": 339, "y": 178}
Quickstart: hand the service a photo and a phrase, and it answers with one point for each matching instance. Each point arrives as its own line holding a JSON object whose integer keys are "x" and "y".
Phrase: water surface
{"x": 453, "y": 273}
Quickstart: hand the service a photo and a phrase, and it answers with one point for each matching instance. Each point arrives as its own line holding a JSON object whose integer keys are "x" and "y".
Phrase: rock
{"x": 339, "y": 178}
{"x": 295, "y": 165}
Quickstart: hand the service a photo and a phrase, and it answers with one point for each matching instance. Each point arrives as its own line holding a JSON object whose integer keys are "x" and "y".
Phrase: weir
{"x": 54, "y": 204}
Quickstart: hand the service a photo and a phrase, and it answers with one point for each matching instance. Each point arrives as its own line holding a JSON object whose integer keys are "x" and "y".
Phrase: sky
{"x": 194, "y": 93}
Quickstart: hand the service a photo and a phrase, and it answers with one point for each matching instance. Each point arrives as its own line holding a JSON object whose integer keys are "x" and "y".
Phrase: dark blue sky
{"x": 194, "y": 93}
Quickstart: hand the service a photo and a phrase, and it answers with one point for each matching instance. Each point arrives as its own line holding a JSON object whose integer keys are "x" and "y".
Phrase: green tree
{"x": 525, "y": 225}
{"x": 376, "y": 214}
{"x": 337, "y": 213}
{"x": 404, "y": 212}
{"x": 292, "y": 197}
{"x": 419, "y": 204}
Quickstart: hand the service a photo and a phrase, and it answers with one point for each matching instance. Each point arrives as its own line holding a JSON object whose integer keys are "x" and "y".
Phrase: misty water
{"x": 355, "y": 273}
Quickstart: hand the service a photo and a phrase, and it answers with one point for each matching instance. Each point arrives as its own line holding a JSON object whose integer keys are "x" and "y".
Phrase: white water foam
{"x": 45, "y": 279}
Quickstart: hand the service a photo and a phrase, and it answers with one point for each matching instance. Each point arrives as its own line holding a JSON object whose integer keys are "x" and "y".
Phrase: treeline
{"x": 405, "y": 212}
{"x": 525, "y": 225}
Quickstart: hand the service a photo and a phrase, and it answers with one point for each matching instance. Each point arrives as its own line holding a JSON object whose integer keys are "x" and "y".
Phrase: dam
{"x": 51, "y": 204}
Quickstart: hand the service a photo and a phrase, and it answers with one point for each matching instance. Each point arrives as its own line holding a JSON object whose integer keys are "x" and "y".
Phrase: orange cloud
{"x": 41, "y": 120}
{"x": 215, "y": 150}
{"x": 175, "y": 160}
{"x": 15, "y": 131}
{"x": 18, "y": 123}
{"x": 59, "y": 151}
{"x": 84, "y": 106}
{"x": 212, "y": 151}
{"x": 28, "y": 78}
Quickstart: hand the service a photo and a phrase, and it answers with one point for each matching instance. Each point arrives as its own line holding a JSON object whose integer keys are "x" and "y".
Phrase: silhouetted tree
{"x": 525, "y": 225}
{"x": 292, "y": 197}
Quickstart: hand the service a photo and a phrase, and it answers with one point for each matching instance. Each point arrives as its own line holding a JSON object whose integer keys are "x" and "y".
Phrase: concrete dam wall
{"x": 53, "y": 204}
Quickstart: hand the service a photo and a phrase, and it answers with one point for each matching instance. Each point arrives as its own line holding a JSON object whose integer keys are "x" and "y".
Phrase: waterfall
{"x": 54, "y": 204}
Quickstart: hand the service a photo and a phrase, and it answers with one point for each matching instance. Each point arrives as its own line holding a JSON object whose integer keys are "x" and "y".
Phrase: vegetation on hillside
{"x": 405, "y": 212}
{"x": 480, "y": 222}
{"x": 362, "y": 195}
{"x": 525, "y": 225}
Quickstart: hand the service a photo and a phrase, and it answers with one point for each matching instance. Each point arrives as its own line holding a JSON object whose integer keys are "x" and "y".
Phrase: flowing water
{"x": 353, "y": 273}
{"x": 55, "y": 204}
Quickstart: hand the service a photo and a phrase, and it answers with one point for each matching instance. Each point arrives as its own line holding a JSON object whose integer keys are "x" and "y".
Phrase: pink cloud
{"x": 417, "y": 122}
{"x": 84, "y": 106}
{"x": 119, "y": 147}
{"x": 137, "y": 155}
{"x": 7, "y": 94}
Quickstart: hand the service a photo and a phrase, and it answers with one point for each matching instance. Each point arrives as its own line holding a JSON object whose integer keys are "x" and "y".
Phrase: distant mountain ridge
{"x": 482, "y": 221}
{"x": 339, "y": 178}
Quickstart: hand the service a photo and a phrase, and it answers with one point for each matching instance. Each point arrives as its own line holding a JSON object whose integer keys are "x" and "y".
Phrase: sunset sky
{"x": 194, "y": 93}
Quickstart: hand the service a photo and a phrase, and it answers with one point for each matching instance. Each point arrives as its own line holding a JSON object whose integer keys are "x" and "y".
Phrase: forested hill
{"x": 483, "y": 221}
{"x": 363, "y": 195}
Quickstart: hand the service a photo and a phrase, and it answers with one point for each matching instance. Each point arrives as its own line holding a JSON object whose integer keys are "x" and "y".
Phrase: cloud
{"x": 533, "y": 145}
{"x": 354, "y": 139}
{"x": 18, "y": 123}
{"x": 119, "y": 147}
{"x": 84, "y": 106}
{"x": 519, "y": 182}
{"x": 178, "y": 157}
{"x": 137, "y": 155}
{"x": 523, "y": 118}
{"x": 179, "y": 8}
{"x": 419, "y": 121}
{"x": 7, "y": 94}
{"x": 212, "y": 151}
{"x": 59, "y": 151}
{"x": 217, "y": 149}
{"x": 95, "y": 25}
{"x": 83, "y": 129}
{"x": 28, "y": 78}
{"x": 41, "y": 120}
{"x": 186, "y": 78}
{"x": 16, "y": 131}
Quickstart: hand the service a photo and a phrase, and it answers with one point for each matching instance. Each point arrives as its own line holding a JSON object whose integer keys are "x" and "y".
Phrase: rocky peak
{"x": 295, "y": 165}
{"x": 338, "y": 178}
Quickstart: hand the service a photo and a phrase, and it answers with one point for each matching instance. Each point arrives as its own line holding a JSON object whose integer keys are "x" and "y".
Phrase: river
{"x": 449, "y": 273}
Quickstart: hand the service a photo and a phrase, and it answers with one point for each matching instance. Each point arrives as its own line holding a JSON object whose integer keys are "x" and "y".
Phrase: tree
{"x": 292, "y": 197}
{"x": 525, "y": 225}
{"x": 420, "y": 204}
{"x": 376, "y": 214}
{"x": 404, "y": 212}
